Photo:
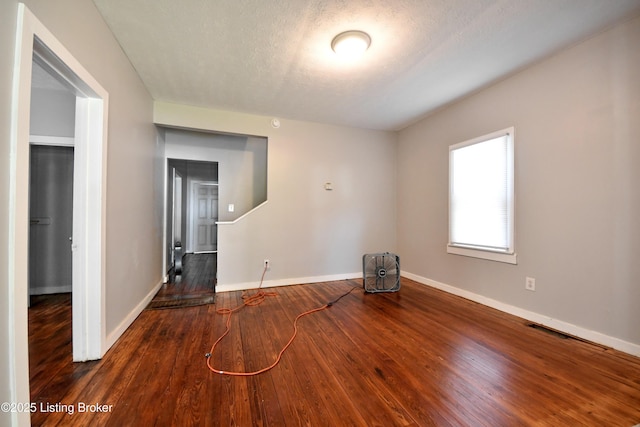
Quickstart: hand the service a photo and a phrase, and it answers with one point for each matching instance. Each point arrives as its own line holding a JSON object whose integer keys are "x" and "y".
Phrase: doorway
{"x": 34, "y": 42}
{"x": 192, "y": 209}
{"x": 85, "y": 241}
{"x": 191, "y": 242}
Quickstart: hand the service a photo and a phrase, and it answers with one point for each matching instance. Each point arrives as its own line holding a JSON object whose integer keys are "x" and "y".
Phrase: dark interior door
{"x": 51, "y": 219}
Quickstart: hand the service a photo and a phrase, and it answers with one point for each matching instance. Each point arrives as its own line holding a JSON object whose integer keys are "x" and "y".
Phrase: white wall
{"x": 577, "y": 127}
{"x": 308, "y": 233}
{"x": 241, "y": 165}
{"x": 53, "y": 112}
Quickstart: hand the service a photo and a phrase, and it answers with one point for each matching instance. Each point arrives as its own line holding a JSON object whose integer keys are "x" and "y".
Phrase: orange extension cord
{"x": 253, "y": 300}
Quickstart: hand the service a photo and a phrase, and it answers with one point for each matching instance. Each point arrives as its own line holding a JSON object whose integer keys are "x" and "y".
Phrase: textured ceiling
{"x": 274, "y": 57}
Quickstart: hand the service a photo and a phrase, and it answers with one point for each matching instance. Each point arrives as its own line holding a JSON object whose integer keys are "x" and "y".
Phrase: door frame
{"x": 176, "y": 218}
{"x": 35, "y": 42}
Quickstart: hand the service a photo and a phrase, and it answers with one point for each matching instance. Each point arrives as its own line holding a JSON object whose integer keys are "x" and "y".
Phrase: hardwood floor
{"x": 196, "y": 285}
{"x": 419, "y": 357}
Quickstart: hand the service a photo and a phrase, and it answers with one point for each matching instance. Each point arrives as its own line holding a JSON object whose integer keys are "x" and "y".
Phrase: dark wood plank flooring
{"x": 419, "y": 357}
{"x": 195, "y": 286}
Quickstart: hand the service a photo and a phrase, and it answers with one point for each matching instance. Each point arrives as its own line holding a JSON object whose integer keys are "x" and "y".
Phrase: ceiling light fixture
{"x": 351, "y": 44}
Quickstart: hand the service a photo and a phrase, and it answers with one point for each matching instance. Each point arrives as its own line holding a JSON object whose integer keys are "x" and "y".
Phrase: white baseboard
{"x": 568, "y": 328}
{"x": 127, "y": 321}
{"x": 286, "y": 282}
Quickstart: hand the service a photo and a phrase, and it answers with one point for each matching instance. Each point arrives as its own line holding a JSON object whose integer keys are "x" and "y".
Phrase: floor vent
{"x": 550, "y": 331}
{"x": 180, "y": 302}
{"x": 562, "y": 335}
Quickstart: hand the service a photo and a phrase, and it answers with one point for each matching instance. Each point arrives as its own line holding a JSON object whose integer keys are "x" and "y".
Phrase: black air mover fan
{"x": 381, "y": 272}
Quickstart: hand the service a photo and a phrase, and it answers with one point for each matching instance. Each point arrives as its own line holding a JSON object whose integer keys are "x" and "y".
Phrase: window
{"x": 481, "y": 199}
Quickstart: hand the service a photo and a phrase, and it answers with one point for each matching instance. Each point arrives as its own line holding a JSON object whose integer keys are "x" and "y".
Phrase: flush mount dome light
{"x": 351, "y": 44}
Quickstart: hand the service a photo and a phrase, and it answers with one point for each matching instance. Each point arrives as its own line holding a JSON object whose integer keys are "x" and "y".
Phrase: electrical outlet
{"x": 267, "y": 265}
{"x": 530, "y": 284}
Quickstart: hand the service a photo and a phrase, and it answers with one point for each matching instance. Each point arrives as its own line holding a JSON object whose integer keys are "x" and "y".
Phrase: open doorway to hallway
{"x": 65, "y": 124}
{"x": 51, "y": 183}
{"x": 192, "y": 216}
{"x": 51, "y": 214}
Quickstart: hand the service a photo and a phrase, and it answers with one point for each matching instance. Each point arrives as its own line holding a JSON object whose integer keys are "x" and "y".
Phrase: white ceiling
{"x": 274, "y": 57}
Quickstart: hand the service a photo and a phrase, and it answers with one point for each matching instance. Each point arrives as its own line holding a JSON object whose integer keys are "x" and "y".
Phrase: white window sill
{"x": 489, "y": 255}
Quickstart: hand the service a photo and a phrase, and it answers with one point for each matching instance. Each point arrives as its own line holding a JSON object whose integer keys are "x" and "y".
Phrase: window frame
{"x": 507, "y": 255}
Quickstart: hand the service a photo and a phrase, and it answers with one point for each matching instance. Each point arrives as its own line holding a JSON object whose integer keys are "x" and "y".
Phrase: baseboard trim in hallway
{"x": 113, "y": 336}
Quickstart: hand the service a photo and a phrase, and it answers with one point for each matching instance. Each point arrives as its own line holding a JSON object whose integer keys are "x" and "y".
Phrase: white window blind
{"x": 481, "y": 193}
